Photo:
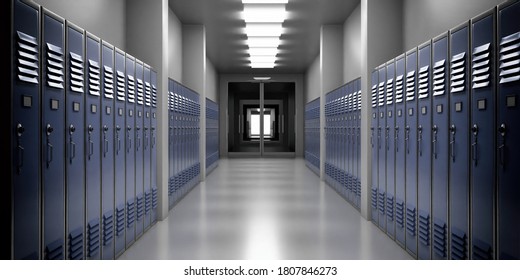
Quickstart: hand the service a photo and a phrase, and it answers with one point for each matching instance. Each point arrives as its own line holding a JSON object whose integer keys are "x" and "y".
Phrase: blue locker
{"x": 459, "y": 138}
{"x": 381, "y": 148}
{"x": 400, "y": 155}
{"x": 75, "y": 146}
{"x": 374, "y": 146}
{"x": 411, "y": 152}
{"x": 440, "y": 146}
{"x": 53, "y": 135}
{"x": 139, "y": 148}
{"x": 483, "y": 136}
{"x": 119, "y": 152}
{"x": 130, "y": 144}
{"x": 93, "y": 146}
{"x": 508, "y": 74}
{"x": 348, "y": 97}
{"x": 424, "y": 177}
{"x": 171, "y": 139}
{"x": 107, "y": 150}
{"x": 390, "y": 149}
{"x": 147, "y": 147}
{"x": 25, "y": 138}
{"x": 358, "y": 145}
{"x": 153, "y": 145}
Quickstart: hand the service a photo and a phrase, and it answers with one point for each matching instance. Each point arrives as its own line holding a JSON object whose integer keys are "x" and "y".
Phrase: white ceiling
{"x": 226, "y": 39}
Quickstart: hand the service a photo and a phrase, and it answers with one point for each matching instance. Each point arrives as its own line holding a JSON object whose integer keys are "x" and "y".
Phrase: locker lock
{"x": 20, "y": 129}
{"x": 502, "y": 129}
{"x": 474, "y": 129}
{"x": 128, "y": 128}
{"x": 453, "y": 129}
{"x": 105, "y": 128}
{"x": 72, "y": 129}
{"x": 435, "y": 128}
{"x": 118, "y": 128}
{"x": 138, "y": 128}
{"x": 419, "y": 128}
{"x": 50, "y": 129}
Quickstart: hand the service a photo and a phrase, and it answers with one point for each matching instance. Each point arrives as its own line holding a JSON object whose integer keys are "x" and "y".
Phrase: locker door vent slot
{"x": 410, "y": 220}
{"x": 94, "y": 78}
{"x": 424, "y": 82}
{"x": 424, "y": 228}
{"x": 130, "y": 89}
{"x": 410, "y": 86}
{"x": 154, "y": 96}
{"x": 108, "y": 227}
{"x": 77, "y": 74}
{"x": 399, "y": 213}
{"x": 481, "y": 66}
{"x": 381, "y": 202}
{"x": 381, "y": 94}
{"x": 140, "y": 92}
{"x": 390, "y": 207}
{"x": 93, "y": 237}
{"x": 147, "y": 202}
{"x": 140, "y": 207}
{"x": 76, "y": 244}
{"x": 439, "y": 238}
{"x": 109, "y": 82}
{"x": 54, "y": 66}
{"x": 458, "y": 244}
{"x": 130, "y": 213}
{"x": 399, "y": 89}
{"x": 482, "y": 250}
{"x": 439, "y": 70}
{"x": 374, "y": 199}
{"x": 121, "y": 86}
{"x": 374, "y": 96}
{"x": 120, "y": 220}
{"x": 510, "y": 58}
{"x": 389, "y": 92}
{"x": 155, "y": 198}
{"x": 27, "y": 58}
{"x": 458, "y": 73}
{"x": 148, "y": 93}
{"x": 54, "y": 250}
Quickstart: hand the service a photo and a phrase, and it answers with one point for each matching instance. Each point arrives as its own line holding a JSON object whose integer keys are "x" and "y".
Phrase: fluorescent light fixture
{"x": 262, "y": 79}
{"x": 264, "y": 13}
{"x": 265, "y": 1}
{"x": 263, "y": 29}
{"x": 263, "y": 58}
{"x": 262, "y": 51}
{"x": 262, "y": 65}
{"x": 263, "y": 42}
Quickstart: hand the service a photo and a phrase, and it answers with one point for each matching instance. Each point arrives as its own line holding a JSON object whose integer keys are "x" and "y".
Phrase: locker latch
{"x": 501, "y": 148}
{"x": 397, "y": 138}
{"x": 19, "y": 132}
{"x": 153, "y": 137}
{"x": 105, "y": 140}
{"x": 435, "y": 130}
{"x": 50, "y": 148}
{"x": 387, "y": 135}
{"x": 118, "y": 129}
{"x": 379, "y": 138}
{"x": 372, "y": 137}
{"x": 90, "y": 129}
{"x": 146, "y": 138}
{"x": 453, "y": 130}
{"x": 407, "y": 138}
{"x": 474, "y": 145}
{"x": 138, "y": 144}
{"x": 419, "y": 139}
{"x": 72, "y": 145}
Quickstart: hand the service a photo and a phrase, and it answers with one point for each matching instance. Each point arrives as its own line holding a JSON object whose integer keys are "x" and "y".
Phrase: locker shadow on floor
{"x": 264, "y": 209}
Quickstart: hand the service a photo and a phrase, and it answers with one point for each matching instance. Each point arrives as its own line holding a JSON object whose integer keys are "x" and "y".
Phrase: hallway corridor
{"x": 264, "y": 209}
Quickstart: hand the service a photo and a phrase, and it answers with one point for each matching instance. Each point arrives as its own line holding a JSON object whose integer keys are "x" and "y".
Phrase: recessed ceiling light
{"x": 263, "y": 58}
{"x": 262, "y": 65}
{"x": 263, "y": 42}
{"x": 265, "y": 1}
{"x": 262, "y": 78}
{"x": 262, "y": 51}
{"x": 264, "y": 13}
{"x": 263, "y": 29}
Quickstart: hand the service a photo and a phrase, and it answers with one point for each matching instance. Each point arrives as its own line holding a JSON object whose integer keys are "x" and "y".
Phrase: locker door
{"x": 119, "y": 153}
{"x": 381, "y": 149}
{"x": 508, "y": 131}
{"x": 411, "y": 152}
{"x": 25, "y": 138}
{"x": 459, "y": 139}
{"x": 147, "y": 147}
{"x": 400, "y": 158}
{"x": 153, "y": 145}
{"x": 440, "y": 147}
{"x": 139, "y": 148}
{"x": 93, "y": 146}
{"x": 348, "y": 141}
{"x": 53, "y": 135}
{"x": 390, "y": 150}
{"x": 358, "y": 146}
{"x": 424, "y": 177}
{"x": 374, "y": 146}
{"x": 75, "y": 146}
{"x": 327, "y": 138}
{"x": 107, "y": 150}
{"x": 171, "y": 139}
{"x": 130, "y": 151}
{"x": 483, "y": 136}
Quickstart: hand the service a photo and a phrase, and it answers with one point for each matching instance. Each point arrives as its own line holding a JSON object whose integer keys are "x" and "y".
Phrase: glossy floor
{"x": 264, "y": 209}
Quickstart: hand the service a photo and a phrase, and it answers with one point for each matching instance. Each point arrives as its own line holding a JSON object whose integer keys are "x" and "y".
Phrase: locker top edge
{"x": 491, "y": 11}
{"x": 120, "y": 51}
{"x": 414, "y": 49}
{"x": 30, "y": 3}
{"x": 390, "y": 62}
{"x": 444, "y": 34}
{"x": 401, "y": 56}
{"x": 107, "y": 44}
{"x": 92, "y": 36}
{"x": 460, "y": 26}
{"x": 74, "y": 26}
{"x": 507, "y": 3}
{"x": 47, "y": 12}
{"x": 424, "y": 44}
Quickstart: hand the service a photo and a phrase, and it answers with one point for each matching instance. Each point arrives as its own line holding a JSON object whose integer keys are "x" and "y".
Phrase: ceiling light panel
{"x": 263, "y": 65}
{"x": 264, "y": 13}
{"x": 263, "y": 29}
{"x": 265, "y": 1}
{"x": 263, "y": 42}
{"x": 262, "y": 51}
{"x": 262, "y": 59}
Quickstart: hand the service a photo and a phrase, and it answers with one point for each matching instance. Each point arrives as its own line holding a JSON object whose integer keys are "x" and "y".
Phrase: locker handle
{"x": 387, "y": 135}
{"x": 105, "y": 141}
{"x": 434, "y": 141}
{"x": 118, "y": 128}
{"x": 379, "y": 138}
{"x": 21, "y": 151}
{"x": 128, "y": 128}
{"x": 474, "y": 145}
{"x": 50, "y": 148}
{"x": 72, "y": 150}
{"x": 407, "y": 139}
{"x": 501, "y": 149}
{"x": 153, "y": 137}
{"x": 420, "y": 138}
{"x": 453, "y": 130}
{"x": 372, "y": 137}
{"x": 396, "y": 143}
{"x": 146, "y": 138}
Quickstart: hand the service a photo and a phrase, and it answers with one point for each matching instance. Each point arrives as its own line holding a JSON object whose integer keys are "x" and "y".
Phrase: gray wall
{"x": 105, "y": 19}
{"x": 194, "y": 57}
{"x": 313, "y": 81}
{"x": 211, "y": 81}
{"x": 425, "y": 19}
{"x": 352, "y": 58}
{"x": 175, "y": 47}
{"x": 331, "y": 52}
